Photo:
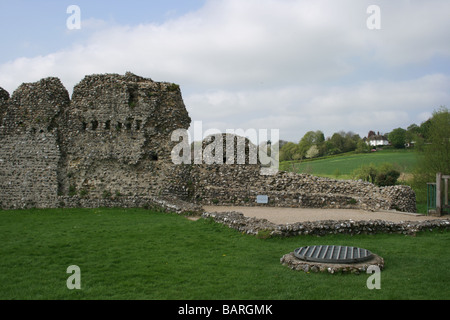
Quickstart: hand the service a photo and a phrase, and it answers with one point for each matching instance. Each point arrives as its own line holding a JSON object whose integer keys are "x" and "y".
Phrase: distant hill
{"x": 342, "y": 166}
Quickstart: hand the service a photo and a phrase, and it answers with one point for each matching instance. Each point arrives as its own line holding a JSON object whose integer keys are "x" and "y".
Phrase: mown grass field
{"x": 342, "y": 166}
{"x": 139, "y": 254}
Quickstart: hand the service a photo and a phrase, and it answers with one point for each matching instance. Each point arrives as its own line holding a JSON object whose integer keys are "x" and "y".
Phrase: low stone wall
{"x": 162, "y": 203}
{"x": 256, "y": 226}
{"x": 240, "y": 186}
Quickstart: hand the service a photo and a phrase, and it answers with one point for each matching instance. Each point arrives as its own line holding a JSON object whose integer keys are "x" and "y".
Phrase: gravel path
{"x": 291, "y": 215}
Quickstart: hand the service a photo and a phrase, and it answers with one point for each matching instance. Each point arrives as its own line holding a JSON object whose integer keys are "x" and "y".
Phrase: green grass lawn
{"x": 344, "y": 165}
{"x": 139, "y": 254}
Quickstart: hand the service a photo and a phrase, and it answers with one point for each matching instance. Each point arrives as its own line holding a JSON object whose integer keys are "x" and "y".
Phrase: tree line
{"x": 313, "y": 144}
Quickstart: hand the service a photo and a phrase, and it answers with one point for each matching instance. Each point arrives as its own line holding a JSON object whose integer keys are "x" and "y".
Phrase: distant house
{"x": 375, "y": 140}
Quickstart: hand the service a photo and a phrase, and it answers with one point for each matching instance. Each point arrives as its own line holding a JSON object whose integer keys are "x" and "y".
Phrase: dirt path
{"x": 292, "y": 215}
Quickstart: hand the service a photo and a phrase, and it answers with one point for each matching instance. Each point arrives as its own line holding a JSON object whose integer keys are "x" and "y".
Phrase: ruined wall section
{"x": 4, "y": 97}
{"x": 111, "y": 146}
{"x": 30, "y": 153}
{"x": 225, "y": 177}
{"x": 235, "y": 186}
{"x": 239, "y": 185}
{"x": 118, "y": 136}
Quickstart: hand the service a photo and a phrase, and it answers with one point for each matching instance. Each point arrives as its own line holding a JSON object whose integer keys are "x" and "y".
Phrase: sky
{"x": 292, "y": 65}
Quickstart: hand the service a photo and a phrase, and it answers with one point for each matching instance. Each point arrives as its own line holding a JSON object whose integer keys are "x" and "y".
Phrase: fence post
{"x": 438, "y": 194}
{"x": 431, "y": 198}
{"x": 446, "y": 190}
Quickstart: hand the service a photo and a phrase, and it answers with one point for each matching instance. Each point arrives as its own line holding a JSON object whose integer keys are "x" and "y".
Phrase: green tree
{"x": 436, "y": 154}
{"x": 384, "y": 175}
{"x": 312, "y": 152}
{"x": 350, "y": 141}
{"x": 310, "y": 139}
{"x": 289, "y": 151}
{"x": 434, "y": 157}
{"x": 413, "y": 134}
{"x": 362, "y": 147}
{"x": 366, "y": 172}
{"x": 387, "y": 175}
{"x": 424, "y": 129}
{"x": 398, "y": 138}
{"x": 343, "y": 142}
{"x": 336, "y": 143}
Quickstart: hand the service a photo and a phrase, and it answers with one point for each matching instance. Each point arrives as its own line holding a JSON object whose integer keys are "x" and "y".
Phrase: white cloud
{"x": 267, "y": 63}
{"x": 380, "y": 106}
{"x": 225, "y": 43}
{"x": 413, "y": 31}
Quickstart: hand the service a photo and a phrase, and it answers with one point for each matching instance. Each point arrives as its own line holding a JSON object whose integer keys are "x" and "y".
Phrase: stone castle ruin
{"x": 110, "y": 145}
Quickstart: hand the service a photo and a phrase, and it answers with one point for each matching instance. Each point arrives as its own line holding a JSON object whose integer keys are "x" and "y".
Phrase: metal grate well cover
{"x": 332, "y": 254}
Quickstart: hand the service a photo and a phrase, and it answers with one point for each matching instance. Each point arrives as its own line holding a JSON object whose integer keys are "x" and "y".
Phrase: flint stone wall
{"x": 118, "y": 135}
{"x": 30, "y": 149}
{"x": 110, "y": 145}
{"x": 112, "y": 139}
{"x": 254, "y": 226}
{"x": 167, "y": 204}
{"x": 4, "y": 97}
{"x": 239, "y": 185}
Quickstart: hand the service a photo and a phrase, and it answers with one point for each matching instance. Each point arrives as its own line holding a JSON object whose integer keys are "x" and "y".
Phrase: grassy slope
{"x": 138, "y": 254}
{"x": 342, "y": 166}
{"x": 346, "y": 164}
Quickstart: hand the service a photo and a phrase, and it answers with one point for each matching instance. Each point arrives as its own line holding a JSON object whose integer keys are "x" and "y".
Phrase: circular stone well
{"x": 331, "y": 259}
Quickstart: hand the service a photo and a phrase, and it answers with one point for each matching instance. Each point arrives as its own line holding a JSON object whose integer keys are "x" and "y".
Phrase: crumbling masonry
{"x": 110, "y": 145}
